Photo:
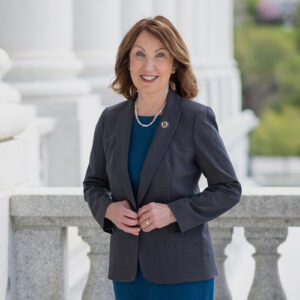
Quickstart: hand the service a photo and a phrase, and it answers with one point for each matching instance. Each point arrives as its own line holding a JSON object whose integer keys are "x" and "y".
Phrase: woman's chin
{"x": 151, "y": 89}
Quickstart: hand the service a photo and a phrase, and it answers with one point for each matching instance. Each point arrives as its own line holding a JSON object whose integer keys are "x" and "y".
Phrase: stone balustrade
{"x": 41, "y": 215}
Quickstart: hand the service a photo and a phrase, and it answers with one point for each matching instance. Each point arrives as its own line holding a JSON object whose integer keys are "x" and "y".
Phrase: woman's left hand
{"x": 158, "y": 214}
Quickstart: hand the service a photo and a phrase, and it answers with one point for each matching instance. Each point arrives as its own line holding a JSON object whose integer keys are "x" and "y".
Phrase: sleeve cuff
{"x": 175, "y": 207}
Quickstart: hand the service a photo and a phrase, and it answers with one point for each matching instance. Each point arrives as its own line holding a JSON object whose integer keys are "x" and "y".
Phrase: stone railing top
{"x": 65, "y": 206}
{"x": 49, "y": 202}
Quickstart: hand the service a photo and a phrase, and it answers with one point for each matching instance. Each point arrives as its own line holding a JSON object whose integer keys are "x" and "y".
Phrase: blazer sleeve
{"x": 95, "y": 184}
{"x": 223, "y": 190}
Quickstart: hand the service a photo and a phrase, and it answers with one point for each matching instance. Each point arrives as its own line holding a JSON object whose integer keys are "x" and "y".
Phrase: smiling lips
{"x": 148, "y": 78}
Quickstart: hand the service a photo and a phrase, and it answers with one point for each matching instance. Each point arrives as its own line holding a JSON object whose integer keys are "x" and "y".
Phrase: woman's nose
{"x": 149, "y": 64}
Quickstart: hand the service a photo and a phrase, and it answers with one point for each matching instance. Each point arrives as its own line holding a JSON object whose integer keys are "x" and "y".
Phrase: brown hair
{"x": 183, "y": 81}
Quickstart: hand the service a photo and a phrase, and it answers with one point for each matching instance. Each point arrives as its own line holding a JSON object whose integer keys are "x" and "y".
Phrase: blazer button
{"x": 164, "y": 124}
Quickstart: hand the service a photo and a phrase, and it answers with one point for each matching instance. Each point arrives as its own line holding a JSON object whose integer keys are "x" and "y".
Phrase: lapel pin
{"x": 164, "y": 124}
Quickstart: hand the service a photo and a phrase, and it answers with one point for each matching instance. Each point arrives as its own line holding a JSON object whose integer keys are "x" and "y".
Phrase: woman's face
{"x": 150, "y": 64}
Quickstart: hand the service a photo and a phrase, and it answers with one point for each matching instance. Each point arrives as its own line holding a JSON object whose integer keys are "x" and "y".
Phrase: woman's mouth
{"x": 148, "y": 78}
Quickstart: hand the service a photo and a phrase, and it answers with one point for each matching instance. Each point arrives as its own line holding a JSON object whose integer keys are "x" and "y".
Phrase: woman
{"x": 146, "y": 160}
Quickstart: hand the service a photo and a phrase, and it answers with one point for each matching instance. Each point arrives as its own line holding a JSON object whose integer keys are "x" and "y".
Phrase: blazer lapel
{"x": 161, "y": 139}
{"x": 123, "y": 135}
{"x": 159, "y": 144}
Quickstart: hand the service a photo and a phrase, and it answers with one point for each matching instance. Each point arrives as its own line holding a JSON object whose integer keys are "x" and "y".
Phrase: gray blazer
{"x": 179, "y": 154}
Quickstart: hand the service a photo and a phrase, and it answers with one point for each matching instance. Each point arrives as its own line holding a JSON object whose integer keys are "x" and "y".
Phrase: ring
{"x": 147, "y": 222}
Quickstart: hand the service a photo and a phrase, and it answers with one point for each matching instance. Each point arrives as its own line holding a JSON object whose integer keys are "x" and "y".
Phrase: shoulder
{"x": 192, "y": 106}
{"x": 113, "y": 109}
{"x": 111, "y": 112}
{"x": 198, "y": 115}
{"x": 196, "y": 111}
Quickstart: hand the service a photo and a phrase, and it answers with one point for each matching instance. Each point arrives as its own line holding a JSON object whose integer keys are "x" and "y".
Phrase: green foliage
{"x": 278, "y": 133}
{"x": 269, "y": 59}
{"x": 259, "y": 50}
{"x": 288, "y": 76}
{"x": 251, "y": 7}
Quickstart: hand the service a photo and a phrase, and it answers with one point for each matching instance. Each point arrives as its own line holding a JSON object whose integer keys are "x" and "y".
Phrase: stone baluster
{"x": 40, "y": 261}
{"x": 221, "y": 237}
{"x": 97, "y": 286}
{"x": 266, "y": 283}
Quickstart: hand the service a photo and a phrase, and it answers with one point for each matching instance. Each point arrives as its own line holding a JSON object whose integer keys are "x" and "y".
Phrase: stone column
{"x": 213, "y": 56}
{"x": 97, "y": 31}
{"x": 13, "y": 171}
{"x": 185, "y": 23}
{"x": 218, "y": 75}
{"x": 132, "y": 11}
{"x": 39, "y": 42}
{"x": 266, "y": 284}
{"x": 13, "y": 117}
{"x": 221, "y": 237}
{"x": 98, "y": 286}
{"x": 166, "y": 8}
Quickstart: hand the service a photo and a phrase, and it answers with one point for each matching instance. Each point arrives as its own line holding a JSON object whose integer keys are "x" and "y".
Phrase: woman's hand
{"x": 159, "y": 215}
{"x": 123, "y": 216}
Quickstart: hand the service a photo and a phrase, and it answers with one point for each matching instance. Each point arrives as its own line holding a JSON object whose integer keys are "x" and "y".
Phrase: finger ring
{"x": 147, "y": 222}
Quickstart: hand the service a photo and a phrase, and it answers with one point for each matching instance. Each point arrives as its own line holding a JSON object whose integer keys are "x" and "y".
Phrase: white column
{"x": 97, "y": 33}
{"x": 96, "y": 37}
{"x": 132, "y": 11}
{"x": 39, "y": 42}
{"x": 203, "y": 26}
{"x": 216, "y": 70}
{"x": 184, "y": 22}
{"x": 212, "y": 55}
{"x": 166, "y": 8}
{"x": 13, "y": 172}
{"x": 13, "y": 117}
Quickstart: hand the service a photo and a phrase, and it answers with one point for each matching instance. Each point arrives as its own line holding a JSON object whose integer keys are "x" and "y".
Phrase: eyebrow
{"x": 144, "y": 49}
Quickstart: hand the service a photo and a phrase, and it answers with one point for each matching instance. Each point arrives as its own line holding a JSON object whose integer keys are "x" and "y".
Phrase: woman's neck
{"x": 149, "y": 105}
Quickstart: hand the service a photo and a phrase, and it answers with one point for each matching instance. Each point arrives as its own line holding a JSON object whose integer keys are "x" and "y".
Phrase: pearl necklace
{"x": 155, "y": 117}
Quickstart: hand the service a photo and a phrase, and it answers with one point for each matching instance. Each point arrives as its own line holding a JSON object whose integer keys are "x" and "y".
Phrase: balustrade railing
{"x": 41, "y": 216}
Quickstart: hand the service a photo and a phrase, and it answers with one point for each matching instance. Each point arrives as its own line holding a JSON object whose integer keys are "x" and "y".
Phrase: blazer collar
{"x": 161, "y": 139}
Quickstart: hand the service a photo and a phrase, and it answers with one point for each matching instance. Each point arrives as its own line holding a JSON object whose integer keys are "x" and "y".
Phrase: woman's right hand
{"x": 123, "y": 216}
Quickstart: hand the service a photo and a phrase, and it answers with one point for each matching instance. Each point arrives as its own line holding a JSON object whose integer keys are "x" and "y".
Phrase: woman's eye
{"x": 139, "y": 53}
{"x": 160, "y": 54}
